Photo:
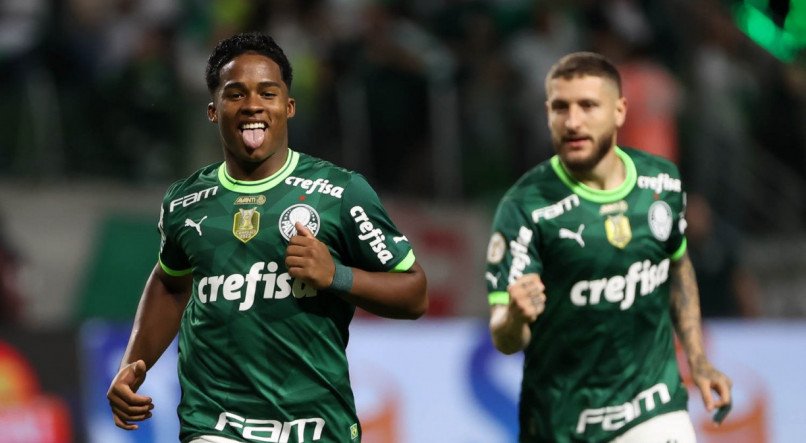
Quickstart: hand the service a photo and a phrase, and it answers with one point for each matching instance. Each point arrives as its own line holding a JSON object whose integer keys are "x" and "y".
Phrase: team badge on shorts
{"x": 617, "y": 228}
{"x": 246, "y": 224}
{"x": 660, "y": 220}
{"x": 298, "y": 213}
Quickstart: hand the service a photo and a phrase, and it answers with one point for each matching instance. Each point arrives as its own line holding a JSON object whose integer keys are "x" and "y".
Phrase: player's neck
{"x": 609, "y": 173}
{"x": 247, "y": 171}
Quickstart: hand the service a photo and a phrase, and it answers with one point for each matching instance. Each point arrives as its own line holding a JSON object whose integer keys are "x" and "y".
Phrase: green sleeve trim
{"x": 498, "y": 298}
{"x": 680, "y": 251}
{"x": 406, "y": 263}
{"x": 173, "y": 273}
{"x": 599, "y": 195}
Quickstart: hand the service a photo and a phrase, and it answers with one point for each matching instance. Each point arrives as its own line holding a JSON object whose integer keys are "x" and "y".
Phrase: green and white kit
{"x": 262, "y": 355}
{"x": 602, "y": 356}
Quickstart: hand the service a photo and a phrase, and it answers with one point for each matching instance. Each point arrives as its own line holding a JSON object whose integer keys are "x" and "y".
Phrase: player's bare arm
{"x": 155, "y": 325}
{"x": 387, "y": 294}
{"x": 685, "y": 310}
{"x": 509, "y": 324}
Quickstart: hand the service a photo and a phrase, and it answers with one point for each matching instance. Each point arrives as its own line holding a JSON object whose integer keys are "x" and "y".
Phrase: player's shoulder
{"x": 648, "y": 164}
{"x": 203, "y": 178}
{"x": 311, "y": 168}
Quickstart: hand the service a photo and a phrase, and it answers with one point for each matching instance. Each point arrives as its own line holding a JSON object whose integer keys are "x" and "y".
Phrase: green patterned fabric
{"x": 262, "y": 355}
{"x": 602, "y": 357}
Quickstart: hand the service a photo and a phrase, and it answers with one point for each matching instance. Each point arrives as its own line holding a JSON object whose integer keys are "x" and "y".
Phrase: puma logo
{"x": 197, "y": 226}
{"x": 567, "y": 233}
{"x": 492, "y": 278}
{"x": 400, "y": 239}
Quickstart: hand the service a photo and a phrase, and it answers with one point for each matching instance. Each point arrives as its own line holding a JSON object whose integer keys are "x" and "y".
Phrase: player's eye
{"x": 557, "y": 107}
{"x": 588, "y": 104}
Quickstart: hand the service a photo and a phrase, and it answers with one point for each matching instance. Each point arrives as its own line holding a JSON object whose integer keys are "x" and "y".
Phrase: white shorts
{"x": 674, "y": 427}
{"x": 212, "y": 439}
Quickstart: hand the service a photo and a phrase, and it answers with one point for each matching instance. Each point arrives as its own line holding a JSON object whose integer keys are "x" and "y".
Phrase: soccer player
{"x": 587, "y": 273}
{"x": 262, "y": 261}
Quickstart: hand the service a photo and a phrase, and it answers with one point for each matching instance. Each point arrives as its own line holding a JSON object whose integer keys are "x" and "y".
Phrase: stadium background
{"x": 439, "y": 104}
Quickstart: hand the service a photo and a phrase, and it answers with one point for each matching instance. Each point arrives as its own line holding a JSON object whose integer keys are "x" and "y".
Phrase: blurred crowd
{"x": 429, "y": 99}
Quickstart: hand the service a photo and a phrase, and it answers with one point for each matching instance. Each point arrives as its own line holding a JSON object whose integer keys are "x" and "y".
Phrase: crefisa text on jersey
{"x": 660, "y": 183}
{"x": 520, "y": 253}
{"x": 371, "y": 234}
{"x": 642, "y": 278}
{"x": 275, "y": 286}
{"x": 322, "y": 186}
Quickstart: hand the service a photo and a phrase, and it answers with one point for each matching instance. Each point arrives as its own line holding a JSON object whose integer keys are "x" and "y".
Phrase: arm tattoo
{"x": 685, "y": 310}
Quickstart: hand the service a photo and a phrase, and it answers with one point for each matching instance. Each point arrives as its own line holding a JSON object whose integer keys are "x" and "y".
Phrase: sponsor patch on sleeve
{"x": 496, "y": 248}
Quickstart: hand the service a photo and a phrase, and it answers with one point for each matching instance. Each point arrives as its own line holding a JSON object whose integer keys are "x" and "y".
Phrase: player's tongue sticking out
{"x": 253, "y": 138}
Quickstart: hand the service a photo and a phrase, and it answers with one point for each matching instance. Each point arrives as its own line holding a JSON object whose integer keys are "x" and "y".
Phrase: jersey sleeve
{"x": 172, "y": 258}
{"x": 371, "y": 239}
{"x": 512, "y": 250}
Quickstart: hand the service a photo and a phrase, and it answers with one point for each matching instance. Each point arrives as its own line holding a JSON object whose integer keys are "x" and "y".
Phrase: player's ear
{"x": 291, "y": 107}
{"x": 211, "y": 114}
{"x": 621, "y": 111}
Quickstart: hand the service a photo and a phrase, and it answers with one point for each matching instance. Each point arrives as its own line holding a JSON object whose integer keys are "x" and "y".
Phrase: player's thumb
{"x": 540, "y": 285}
{"x": 707, "y": 397}
{"x": 302, "y": 230}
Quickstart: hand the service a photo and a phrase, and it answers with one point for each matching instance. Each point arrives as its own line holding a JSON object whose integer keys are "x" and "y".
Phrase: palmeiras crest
{"x": 660, "y": 220}
{"x": 246, "y": 224}
{"x": 298, "y": 213}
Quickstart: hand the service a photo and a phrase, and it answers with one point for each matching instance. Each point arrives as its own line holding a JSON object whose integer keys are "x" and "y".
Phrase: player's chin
{"x": 577, "y": 161}
{"x": 567, "y": 150}
{"x": 254, "y": 155}
{"x": 250, "y": 151}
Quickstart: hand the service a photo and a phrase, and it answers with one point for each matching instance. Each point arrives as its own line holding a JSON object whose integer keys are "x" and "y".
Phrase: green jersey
{"x": 261, "y": 354}
{"x": 601, "y": 358}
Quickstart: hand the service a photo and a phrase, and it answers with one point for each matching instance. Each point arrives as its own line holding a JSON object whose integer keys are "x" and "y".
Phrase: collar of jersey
{"x": 253, "y": 187}
{"x": 599, "y": 195}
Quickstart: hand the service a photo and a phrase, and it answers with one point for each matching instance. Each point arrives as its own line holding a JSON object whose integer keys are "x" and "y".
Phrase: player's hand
{"x": 709, "y": 380}
{"x": 309, "y": 259}
{"x": 128, "y": 406}
{"x": 527, "y": 299}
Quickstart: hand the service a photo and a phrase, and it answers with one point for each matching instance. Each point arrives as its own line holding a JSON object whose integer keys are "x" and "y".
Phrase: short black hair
{"x": 578, "y": 64}
{"x": 238, "y": 44}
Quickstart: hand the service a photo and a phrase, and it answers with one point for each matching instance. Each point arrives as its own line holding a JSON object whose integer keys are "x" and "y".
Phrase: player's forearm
{"x": 685, "y": 310}
{"x": 157, "y": 320}
{"x": 509, "y": 335}
{"x": 390, "y": 294}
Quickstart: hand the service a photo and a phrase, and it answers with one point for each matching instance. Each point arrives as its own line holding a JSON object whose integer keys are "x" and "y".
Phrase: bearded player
{"x": 588, "y": 274}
